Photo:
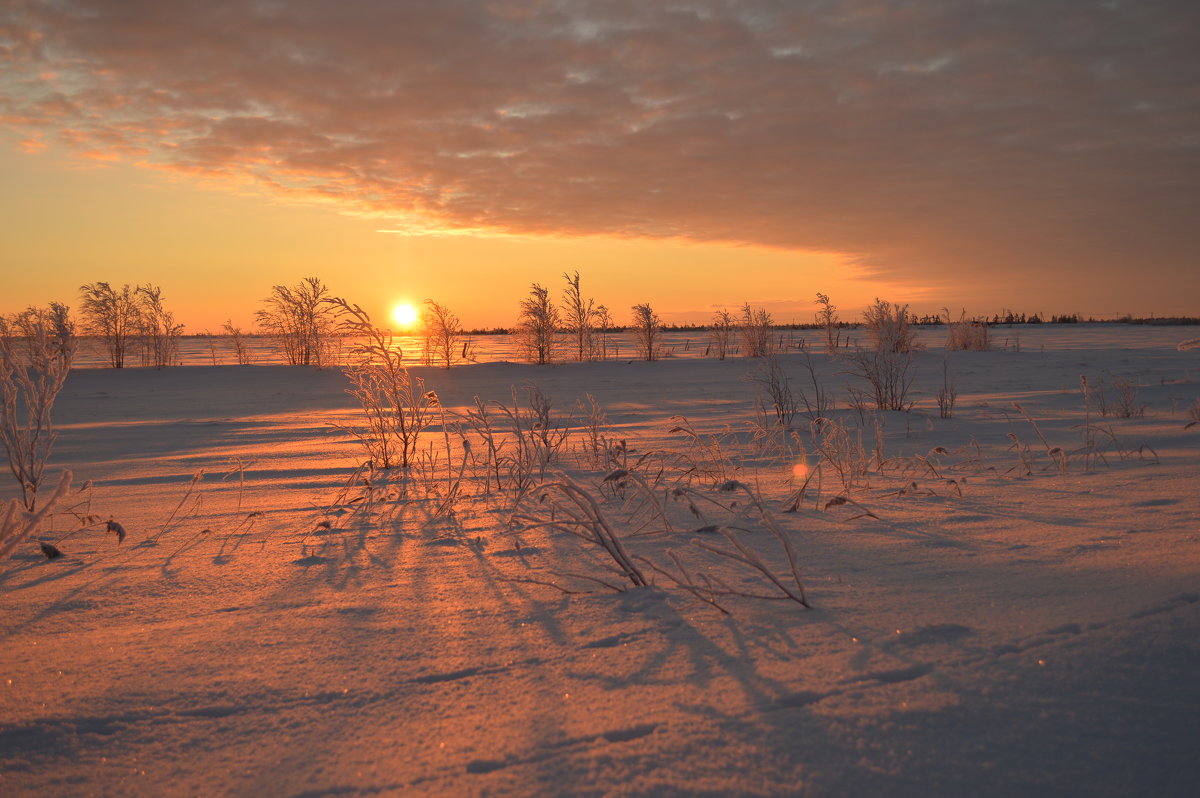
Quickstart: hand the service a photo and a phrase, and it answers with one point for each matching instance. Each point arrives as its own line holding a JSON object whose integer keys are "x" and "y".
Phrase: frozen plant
{"x": 538, "y": 325}
{"x": 112, "y": 316}
{"x": 828, "y": 319}
{"x": 237, "y": 339}
{"x": 889, "y": 327}
{"x": 301, "y": 319}
{"x": 580, "y": 318}
{"x": 774, "y": 383}
{"x": 756, "y": 331}
{"x": 966, "y": 333}
{"x": 159, "y": 332}
{"x": 720, "y": 333}
{"x": 36, "y": 348}
{"x": 948, "y": 393}
{"x": 887, "y": 363}
{"x": 394, "y": 402}
{"x": 440, "y": 333}
{"x": 647, "y": 328}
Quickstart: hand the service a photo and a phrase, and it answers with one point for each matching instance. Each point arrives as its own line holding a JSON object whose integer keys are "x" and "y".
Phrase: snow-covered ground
{"x": 991, "y": 613}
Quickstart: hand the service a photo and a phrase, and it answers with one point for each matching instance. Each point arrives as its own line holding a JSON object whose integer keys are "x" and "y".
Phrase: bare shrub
{"x": 720, "y": 333}
{"x": 1116, "y": 398}
{"x": 887, "y": 365}
{"x": 395, "y": 404}
{"x": 440, "y": 333}
{"x": 36, "y": 348}
{"x": 237, "y": 340}
{"x": 538, "y": 325}
{"x": 112, "y": 316}
{"x": 756, "y": 331}
{"x": 774, "y": 383}
{"x": 604, "y": 324}
{"x": 580, "y": 319}
{"x": 159, "y": 332}
{"x": 1125, "y": 394}
{"x": 888, "y": 373}
{"x": 647, "y": 329}
{"x": 828, "y": 319}
{"x": 889, "y": 327}
{"x": 842, "y": 450}
{"x": 301, "y": 319}
{"x": 966, "y": 334}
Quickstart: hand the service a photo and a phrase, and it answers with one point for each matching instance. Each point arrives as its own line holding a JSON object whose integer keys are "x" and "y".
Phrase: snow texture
{"x": 1002, "y": 625}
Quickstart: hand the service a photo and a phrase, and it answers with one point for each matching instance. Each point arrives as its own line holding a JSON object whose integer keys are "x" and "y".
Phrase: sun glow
{"x": 405, "y": 315}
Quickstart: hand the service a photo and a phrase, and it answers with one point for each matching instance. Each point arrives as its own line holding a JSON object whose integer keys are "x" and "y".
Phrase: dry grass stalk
{"x": 566, "y": 507}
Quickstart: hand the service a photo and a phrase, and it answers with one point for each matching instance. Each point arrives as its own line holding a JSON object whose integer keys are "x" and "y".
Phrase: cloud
{"x": 944, "y": 139}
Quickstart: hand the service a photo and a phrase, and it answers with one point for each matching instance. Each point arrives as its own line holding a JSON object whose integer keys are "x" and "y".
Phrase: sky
{"x": 1034, "y": 155}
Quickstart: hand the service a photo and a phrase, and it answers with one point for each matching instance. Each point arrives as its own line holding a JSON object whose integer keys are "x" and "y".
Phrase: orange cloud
{"x": 939, "y": 142}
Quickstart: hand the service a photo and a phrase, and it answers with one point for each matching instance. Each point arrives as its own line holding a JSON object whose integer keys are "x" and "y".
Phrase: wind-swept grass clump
{"x": 562, "y": 505}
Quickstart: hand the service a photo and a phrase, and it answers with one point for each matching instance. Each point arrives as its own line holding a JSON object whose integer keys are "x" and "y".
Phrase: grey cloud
{"x": 929, "y": 138}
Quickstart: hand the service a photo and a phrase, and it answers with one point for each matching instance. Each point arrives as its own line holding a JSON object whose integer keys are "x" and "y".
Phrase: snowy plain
{"x": 987, "y": 617}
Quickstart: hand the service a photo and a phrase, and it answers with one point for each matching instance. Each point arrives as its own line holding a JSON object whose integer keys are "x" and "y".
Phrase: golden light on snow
{"x": 405, "y": 315}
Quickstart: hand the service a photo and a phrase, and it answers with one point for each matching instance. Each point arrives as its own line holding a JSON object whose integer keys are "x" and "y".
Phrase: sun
{"x": 405, "y": 315}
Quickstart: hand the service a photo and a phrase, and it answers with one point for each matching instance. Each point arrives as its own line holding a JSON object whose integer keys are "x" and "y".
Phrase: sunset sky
{"x": 1039, "y": 155}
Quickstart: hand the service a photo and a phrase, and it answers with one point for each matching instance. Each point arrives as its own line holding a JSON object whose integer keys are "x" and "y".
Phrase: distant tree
{"x": 580, "y": 317}
{"x": 440, "y": 331}
{"x": 604, "y": 323}
{"x": 720, "y": 332}
{"x": 828, "y": 319}
{"x": 159, "y": 332}
{"x": 756, "y": 331}
{"x": 237, "y": 339}
{"x": 537, "y": 328}
{"x": 647, "y": 328}
{"x": 301, "y": 320}
{"x": 112, "y": 316}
